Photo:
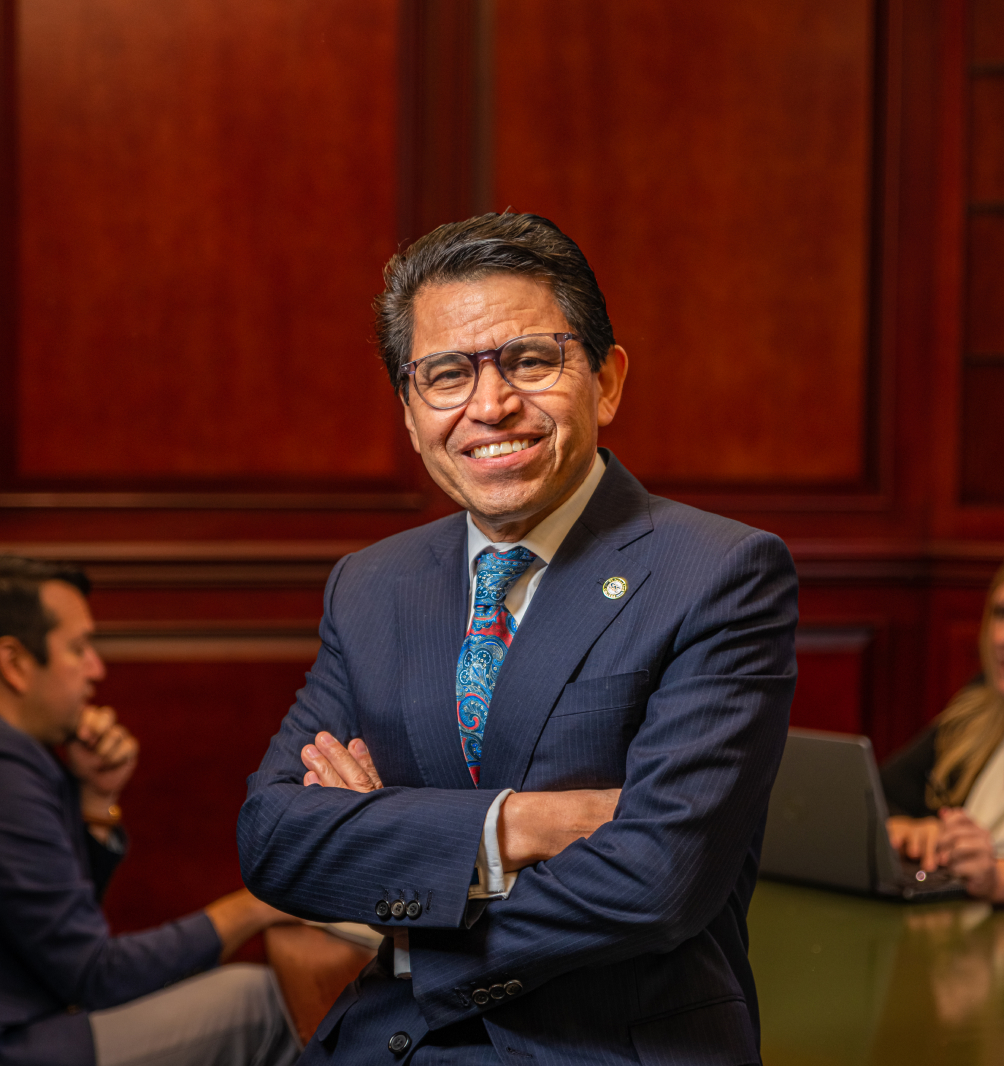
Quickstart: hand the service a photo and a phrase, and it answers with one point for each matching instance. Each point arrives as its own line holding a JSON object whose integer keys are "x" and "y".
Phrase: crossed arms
{"x": 592, "y": 890}
{"x": 532, "y": 826}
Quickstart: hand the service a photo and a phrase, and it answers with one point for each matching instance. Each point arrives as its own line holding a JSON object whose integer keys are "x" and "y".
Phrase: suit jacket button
{"x": 414, "y": 909}
{"x": 383, "y": 909}
{"x": 481, "y": 996}
{"x": 397, "y": 908}
{"x": 399, "y": 1043}
{"x": 513, "y": 988}
{"x": 496, "y": 992}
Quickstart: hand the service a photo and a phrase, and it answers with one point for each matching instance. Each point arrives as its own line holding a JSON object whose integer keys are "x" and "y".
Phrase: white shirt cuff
{"x": 402, "y": 955}
{"x": 493, "y": 883}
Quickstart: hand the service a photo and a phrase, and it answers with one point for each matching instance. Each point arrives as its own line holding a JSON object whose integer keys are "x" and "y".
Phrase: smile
{"x": 505, "y": 447}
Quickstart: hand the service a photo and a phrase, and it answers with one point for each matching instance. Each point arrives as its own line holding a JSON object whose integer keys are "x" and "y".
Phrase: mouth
{"x": 502, "y": 447}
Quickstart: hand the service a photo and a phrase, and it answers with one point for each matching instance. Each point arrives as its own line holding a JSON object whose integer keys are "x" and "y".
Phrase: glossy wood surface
{"x": 848, "y": 981}
{"x": 206, "y": 197}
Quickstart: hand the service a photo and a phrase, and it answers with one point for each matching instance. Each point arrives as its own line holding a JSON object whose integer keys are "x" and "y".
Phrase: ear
{"x": 610, "y": 384}
{"x": 409, "y": 423}
{"x": 17, "y": 665}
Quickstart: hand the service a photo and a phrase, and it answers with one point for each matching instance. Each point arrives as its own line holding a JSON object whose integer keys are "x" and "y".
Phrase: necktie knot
{"x": 496, "y": 574}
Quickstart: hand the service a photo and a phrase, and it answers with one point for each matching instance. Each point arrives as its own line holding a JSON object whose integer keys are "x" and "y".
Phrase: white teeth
{"x": 505, "y": 448}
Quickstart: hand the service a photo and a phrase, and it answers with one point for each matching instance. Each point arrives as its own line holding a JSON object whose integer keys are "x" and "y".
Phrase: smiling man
{"x": 545, "y": 729}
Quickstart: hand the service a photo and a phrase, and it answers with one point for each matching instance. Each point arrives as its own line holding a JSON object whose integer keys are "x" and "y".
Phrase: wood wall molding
{"x": 201, "y": 564}
{"x": 123, "y": 564}
{"x": 213, "y": 501}
{"x": 202, "y": 641}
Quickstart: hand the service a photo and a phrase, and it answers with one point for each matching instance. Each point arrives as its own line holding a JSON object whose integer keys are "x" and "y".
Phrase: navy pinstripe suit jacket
{"x": 629, "y": 946}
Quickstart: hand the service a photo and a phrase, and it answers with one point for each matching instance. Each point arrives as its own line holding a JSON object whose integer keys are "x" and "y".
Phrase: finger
{"x": 310, "y": 778}
{"x": 930, "y": 857}
{"x": 109, "y": 741}
{"x": 91, "y": 724}
{"x": 326, "y": 773}
{"x": 100, "y": 721}
{"x": 955, "y": 817}
{"x": 124, "y": 750}
{"x": 354, "y": 776}
{"x": 359, "y": 752}
{"x": 970, "y": 849}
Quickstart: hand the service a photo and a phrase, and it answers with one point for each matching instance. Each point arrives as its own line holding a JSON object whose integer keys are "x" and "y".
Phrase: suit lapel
{"x": 568, "y": 613}
{"x": 432, "y": 616}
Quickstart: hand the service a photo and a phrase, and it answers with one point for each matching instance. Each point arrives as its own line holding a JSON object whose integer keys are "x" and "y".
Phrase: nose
{"x": 95, "y": 666}
{"x": 494, "y": 398}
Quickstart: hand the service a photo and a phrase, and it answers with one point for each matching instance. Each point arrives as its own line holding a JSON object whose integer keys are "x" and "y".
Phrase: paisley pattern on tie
{"x": 488, "y": 638}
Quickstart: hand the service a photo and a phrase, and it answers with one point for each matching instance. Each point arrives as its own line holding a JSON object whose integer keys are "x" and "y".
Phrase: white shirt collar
{"x": 545, "y": 538}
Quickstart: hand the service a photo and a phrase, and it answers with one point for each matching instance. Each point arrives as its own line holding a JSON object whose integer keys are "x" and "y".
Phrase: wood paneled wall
{"x": 793, "y": 208}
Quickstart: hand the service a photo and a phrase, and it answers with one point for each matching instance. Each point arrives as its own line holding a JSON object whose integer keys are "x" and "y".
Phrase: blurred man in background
{"x": 70, "y": 993}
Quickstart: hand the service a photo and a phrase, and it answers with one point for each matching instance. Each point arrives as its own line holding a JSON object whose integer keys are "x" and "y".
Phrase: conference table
{"x": 848, "y": 981}
{"x": 842, "y": 980}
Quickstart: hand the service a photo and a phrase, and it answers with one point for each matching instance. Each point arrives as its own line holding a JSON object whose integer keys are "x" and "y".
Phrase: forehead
{"x": 67, "y": 605}
{"x": 474, "y": 315}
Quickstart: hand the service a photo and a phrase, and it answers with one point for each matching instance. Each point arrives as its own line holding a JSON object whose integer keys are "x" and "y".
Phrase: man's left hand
{"x": 332, "y": 765}
{"x": 102, "y": 756}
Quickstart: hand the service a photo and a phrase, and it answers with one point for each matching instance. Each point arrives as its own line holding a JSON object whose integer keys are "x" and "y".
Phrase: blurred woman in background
{"x": 945, "y": 790}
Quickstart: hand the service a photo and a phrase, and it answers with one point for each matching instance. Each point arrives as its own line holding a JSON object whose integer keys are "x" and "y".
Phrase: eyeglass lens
{"x": 530, "y": 364}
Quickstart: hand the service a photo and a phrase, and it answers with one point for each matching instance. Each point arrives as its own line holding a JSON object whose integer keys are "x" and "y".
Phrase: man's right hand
{"x": 916, "y": 838}
{"x": 333, "y": 765}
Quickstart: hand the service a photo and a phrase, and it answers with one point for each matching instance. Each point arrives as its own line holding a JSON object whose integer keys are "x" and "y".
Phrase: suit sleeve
{"x": 330, "y": 854}
{"x": 699, "y": 774}
{"x": 49, "y": 913}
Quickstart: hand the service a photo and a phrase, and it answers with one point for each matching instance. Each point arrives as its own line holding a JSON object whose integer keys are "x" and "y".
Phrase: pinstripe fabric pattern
{"x": 629, "y": 946}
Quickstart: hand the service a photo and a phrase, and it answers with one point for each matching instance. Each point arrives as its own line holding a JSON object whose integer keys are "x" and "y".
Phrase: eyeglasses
{"x": 528, "y": 364}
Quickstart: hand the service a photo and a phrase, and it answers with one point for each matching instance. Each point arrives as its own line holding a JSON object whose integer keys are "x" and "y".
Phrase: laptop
{"x": 826, "y": 824}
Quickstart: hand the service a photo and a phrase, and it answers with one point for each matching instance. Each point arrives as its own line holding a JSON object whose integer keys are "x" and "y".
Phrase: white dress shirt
{"x": 543, "y": 540}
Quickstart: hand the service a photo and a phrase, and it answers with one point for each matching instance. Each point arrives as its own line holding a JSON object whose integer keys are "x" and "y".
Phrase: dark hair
{"x": 476, "y": 248}
{"x": 22, "y": 614}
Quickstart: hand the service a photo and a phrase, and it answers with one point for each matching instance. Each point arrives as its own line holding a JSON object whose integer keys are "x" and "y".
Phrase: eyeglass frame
{"x": 477, "y": 358}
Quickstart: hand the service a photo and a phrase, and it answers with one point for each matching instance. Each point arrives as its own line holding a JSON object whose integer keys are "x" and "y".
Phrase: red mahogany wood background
{"x": 796, "y": 210}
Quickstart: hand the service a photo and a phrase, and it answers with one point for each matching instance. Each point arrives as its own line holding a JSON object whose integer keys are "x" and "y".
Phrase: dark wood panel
{"x": 833, "y": 687}
{"x": 952, "y": 658}
{"x": 445, "y": 111}
{"x": 717, "y": 174}
{"x": 987, "y": 31}
{"x": 207, "y": 194}
{"x": 203, "y": 728}
{"x": 983, "y": 433}
{"x": 985, "y": 304}
{"x": 986, "y": 170}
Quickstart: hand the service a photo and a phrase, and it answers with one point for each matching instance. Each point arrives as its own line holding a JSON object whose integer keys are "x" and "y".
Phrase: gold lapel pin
{"x": 615, "y": 587}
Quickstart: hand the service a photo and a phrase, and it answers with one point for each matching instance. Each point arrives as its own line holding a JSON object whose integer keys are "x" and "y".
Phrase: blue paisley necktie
{"x": 488, "y": 638}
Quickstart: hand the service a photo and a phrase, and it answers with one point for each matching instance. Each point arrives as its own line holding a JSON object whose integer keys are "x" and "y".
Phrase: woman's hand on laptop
{"x": 969, "y": 854}
{"x": 916, "y": 838}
